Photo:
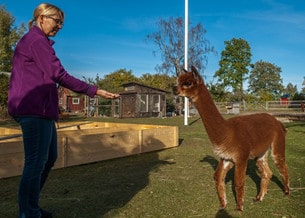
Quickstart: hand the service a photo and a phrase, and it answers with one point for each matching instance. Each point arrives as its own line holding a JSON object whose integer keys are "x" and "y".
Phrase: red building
{"x": 70, "y": 101}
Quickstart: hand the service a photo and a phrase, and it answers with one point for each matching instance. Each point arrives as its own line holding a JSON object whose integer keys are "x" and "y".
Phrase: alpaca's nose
{"x": 175, "y": 90}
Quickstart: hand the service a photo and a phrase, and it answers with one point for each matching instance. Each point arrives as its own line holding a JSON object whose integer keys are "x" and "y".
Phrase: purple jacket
{"x": 35, "y": 74}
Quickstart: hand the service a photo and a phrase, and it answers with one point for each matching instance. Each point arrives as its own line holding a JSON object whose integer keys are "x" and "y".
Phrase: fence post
{"x": 266, "y": 105}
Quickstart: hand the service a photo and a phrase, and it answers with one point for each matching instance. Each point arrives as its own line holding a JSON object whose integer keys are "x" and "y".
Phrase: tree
{"x": 303, "y": 84}
{"x": 265, "y": 80}
{"x": 234, "y": 63}
{"x": 290, "y": 89}
{"x": 169, "y": 39}
{"x": 91, "y": 80}
{"x": 113, "y": 82}
{"x": 161, "y": 81}
{"x": 217, "y": 91}
{"x": 298, "y": 96}
{"x": 4, "y": 83}
{"x": 9, "y": 36}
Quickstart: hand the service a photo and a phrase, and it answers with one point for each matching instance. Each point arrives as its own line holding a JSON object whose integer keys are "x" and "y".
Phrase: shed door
{"x": 128, "y": 106}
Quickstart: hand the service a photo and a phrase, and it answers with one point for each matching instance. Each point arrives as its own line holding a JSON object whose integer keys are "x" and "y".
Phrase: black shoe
{"x": 45, "y": 214}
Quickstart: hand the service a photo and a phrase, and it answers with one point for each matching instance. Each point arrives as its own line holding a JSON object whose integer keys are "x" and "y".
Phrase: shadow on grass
{"x": 180, "y": 141}
{"x": 96, "y": 190}
{"x": 223, "y": 214}
{"x": 194, "y": 121}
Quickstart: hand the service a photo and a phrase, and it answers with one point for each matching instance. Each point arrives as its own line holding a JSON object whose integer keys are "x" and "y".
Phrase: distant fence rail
{"x": 271, "y": 106}
{"x": 295, "y": 106}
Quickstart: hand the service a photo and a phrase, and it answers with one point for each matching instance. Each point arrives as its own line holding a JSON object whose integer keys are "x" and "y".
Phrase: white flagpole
{"x": 186, "y": 100}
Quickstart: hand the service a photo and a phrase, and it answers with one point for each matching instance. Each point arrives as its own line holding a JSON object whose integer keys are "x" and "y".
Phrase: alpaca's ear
{"x": 195, "y": 73}
{"x": 181, "y": 70}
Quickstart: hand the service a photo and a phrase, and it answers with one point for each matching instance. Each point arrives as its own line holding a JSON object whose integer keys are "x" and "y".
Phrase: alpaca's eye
{"x": 187, "y": 84}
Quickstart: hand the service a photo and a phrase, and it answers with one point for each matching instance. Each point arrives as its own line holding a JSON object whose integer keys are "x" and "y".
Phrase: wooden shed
{"x": 70, "y": 101}
{"x": 138, "y": 100}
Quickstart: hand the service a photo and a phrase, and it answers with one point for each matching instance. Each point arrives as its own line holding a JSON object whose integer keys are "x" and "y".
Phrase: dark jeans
{"x": 40, "y": 152}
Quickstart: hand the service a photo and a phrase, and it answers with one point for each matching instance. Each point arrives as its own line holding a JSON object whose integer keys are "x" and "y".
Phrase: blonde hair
{"x": 46, "y": 9}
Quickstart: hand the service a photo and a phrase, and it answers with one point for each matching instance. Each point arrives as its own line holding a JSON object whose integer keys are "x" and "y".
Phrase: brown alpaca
{"x": 236, "y": 140}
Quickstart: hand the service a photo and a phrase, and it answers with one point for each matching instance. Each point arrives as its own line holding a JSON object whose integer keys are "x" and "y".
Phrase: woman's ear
{"x": 39, "y": 19}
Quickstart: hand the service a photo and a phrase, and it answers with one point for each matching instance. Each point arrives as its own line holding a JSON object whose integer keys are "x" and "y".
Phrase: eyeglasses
{"x": 57, "y": 21}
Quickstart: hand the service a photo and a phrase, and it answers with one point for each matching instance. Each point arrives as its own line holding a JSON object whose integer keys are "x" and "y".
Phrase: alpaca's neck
{"x": 213, "y": 121}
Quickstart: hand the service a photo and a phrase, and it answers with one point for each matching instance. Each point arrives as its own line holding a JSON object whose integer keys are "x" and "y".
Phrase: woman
{"x": 33, "y": 102}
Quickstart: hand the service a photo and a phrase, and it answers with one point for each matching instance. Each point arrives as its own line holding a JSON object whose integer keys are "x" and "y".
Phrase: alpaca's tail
{"x": 278, "y": 145}
{"x": 283, "y": 128}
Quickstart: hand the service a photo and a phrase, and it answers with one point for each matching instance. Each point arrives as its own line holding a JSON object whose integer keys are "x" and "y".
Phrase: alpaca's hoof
{"x": 222, "y": 206}
{"x": 255, "y": 200}
{"x": 287, "y": 191}
{"x": 239, "y": 207}
{"x": 259, "y": 198}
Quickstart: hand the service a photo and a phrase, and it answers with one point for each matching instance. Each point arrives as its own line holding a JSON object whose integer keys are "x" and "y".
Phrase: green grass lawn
{"x": 176, "y": 182}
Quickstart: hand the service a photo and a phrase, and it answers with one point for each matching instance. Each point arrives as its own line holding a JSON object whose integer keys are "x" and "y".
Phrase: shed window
{"x": 75, "y": 100}
{"x": 144, "y": 103}
{"x": 156, "y": 103}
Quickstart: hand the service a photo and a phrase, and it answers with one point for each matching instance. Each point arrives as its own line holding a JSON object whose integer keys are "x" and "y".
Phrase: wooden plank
{"x": 9, "y": 131}
{"x": 159, "y": 138}
{"x": 104, "y": 125}
{"x": 87, "y": 148}
{"x": 61, "y": 151}
{"x": 11, "y": 147}
{"x": 11, "y": 164}
{"x": 12, "y": 159}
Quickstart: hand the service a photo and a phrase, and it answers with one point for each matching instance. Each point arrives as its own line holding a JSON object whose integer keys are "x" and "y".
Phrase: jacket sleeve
{"x": 53, "y": 71}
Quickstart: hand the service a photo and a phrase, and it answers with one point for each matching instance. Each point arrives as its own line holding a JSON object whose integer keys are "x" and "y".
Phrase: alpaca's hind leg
{"x": 265, "y": 174}
{"x": 283, "y": 169}
{"x": 278, "y": 156}
{"x": 219, "y": 177}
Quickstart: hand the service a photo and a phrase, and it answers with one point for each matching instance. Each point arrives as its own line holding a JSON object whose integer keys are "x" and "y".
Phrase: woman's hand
{"x": 105, "y": 94}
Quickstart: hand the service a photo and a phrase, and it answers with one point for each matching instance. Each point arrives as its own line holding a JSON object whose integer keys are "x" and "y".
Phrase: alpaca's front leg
{"x": 239, "y": 180}
{"x": 219, "y": 176}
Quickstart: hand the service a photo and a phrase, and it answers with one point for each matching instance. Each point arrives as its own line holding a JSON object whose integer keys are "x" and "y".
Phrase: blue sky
{"x": 102, "y": 36}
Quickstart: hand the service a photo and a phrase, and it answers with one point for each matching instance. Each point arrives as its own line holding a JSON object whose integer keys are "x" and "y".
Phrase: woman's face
{"x": 50, "y": 25}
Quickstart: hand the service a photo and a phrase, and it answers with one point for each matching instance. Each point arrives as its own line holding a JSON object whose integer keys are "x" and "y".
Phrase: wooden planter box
{"x": 82, "y": 143}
